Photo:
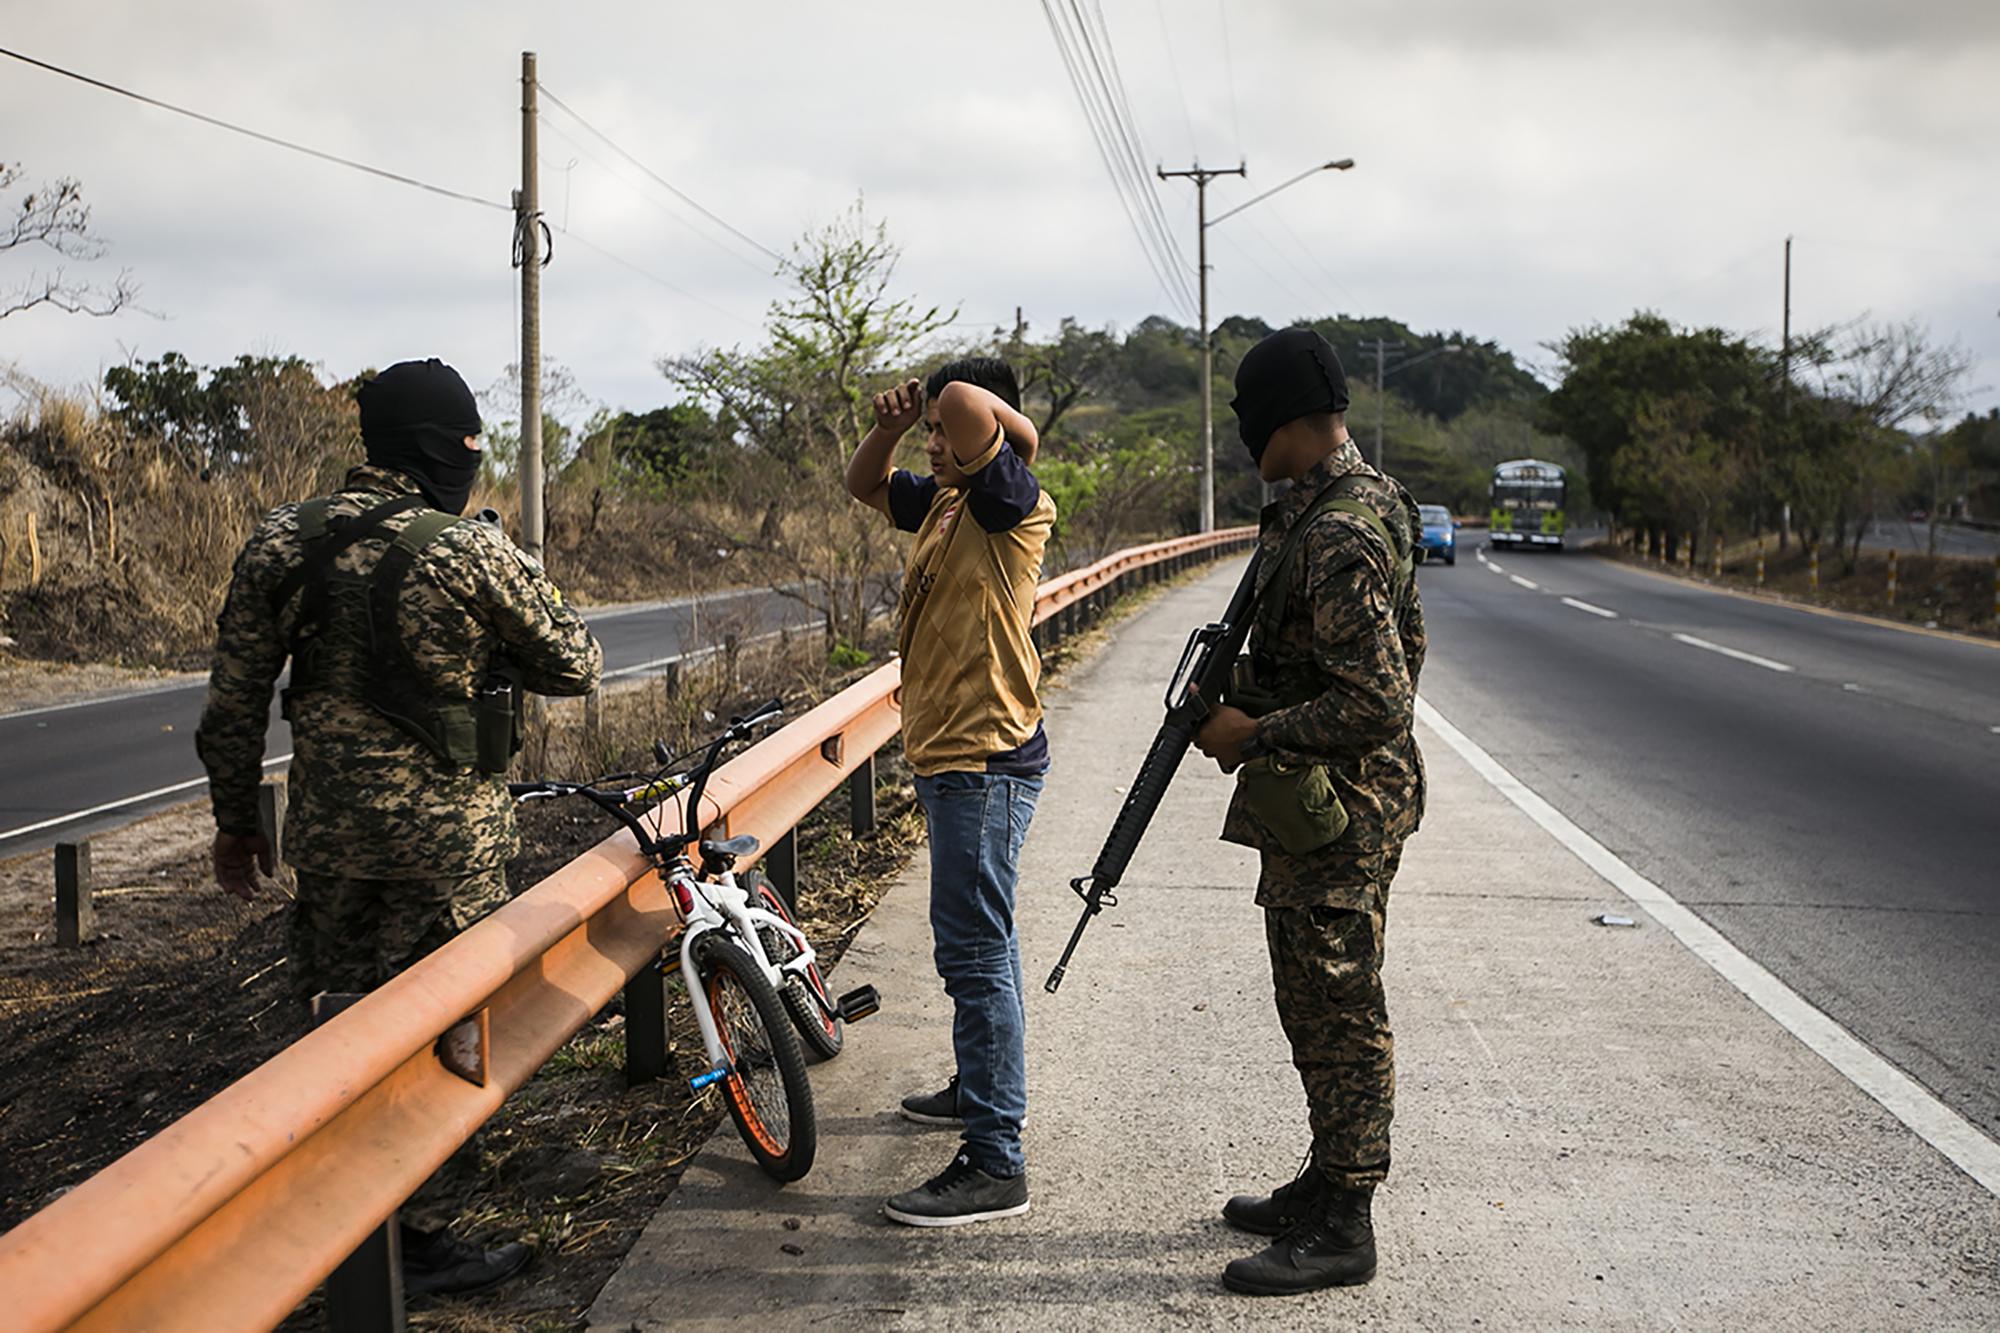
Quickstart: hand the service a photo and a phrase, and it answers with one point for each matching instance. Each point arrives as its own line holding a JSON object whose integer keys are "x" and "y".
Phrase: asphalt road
{"x": 76, "y": 768}
{"x": 1822, "y": 791}
{"x": 1908, "y": 538}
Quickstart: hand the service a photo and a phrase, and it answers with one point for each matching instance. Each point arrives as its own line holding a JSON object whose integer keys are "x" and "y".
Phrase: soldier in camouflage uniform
{"x": 398, "y": 842}
{"x": 1335, "y": 650}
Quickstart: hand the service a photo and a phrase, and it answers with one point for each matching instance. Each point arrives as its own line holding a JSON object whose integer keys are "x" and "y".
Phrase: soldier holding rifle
{"x": 1317, "y": 727}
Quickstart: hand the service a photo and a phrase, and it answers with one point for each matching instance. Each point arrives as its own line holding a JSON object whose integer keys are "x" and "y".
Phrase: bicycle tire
{"x": 767, "y": 1094}
{"x": 823, "y": 1035}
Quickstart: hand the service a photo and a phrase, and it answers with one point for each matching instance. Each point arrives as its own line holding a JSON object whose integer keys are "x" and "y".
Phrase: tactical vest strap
{"x": 1277, "y": 590}
{"x": 323, "y": 541}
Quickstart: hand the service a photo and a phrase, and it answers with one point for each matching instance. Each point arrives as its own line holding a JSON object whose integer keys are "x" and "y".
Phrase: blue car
{"x": 1440, "y": 539}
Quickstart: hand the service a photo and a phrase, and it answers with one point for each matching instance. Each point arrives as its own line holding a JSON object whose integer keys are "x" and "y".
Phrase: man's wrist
{"x": 1254, "y": 746}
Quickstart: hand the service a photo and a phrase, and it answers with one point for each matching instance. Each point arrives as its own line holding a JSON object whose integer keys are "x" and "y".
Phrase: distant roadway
{"x": 1825, "y": 792}
{"x": 74, "y": 768}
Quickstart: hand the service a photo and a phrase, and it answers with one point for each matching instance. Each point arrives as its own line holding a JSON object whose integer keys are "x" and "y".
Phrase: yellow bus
{"x": 1528, "y": 504}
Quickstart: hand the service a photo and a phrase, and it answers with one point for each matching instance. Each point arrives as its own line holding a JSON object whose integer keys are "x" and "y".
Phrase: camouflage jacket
{"x": 367, "y": 800}
{"x": 1352, "y": 650}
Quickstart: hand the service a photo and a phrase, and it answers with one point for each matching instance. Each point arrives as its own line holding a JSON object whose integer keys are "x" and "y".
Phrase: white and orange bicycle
{"x": 753, "y": 979}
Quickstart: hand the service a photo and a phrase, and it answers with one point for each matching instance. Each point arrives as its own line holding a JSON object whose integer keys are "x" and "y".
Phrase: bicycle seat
{"x": 729, "y": 848}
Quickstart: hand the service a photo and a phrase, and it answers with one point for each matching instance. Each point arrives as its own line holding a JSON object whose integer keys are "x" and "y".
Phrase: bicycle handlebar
{"x": 617, "y": 803}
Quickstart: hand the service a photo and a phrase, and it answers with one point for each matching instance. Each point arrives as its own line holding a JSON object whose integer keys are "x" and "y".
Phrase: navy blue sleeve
{"x": 910, "y": 499}
{"x": 1003, "y": 492}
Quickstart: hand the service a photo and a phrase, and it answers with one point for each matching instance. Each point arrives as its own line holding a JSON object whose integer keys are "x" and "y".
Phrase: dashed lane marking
{"x": 1586, "y": 606}
{"x": 1900, "y": 1095}
{"x": 1736, "y": 653}
{"x": 1525, "y": 583}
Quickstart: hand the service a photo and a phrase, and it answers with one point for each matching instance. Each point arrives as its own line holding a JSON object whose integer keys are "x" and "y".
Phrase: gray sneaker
{"x": 935, "y": 1108}
{"x": 959, "y": 1194}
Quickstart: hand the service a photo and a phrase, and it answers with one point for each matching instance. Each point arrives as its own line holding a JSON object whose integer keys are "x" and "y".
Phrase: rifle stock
{"x": 1202, "y": 676}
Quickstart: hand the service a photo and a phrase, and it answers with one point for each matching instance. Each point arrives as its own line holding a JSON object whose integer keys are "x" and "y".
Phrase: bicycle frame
{"x": 706, "y": 905}
{"x": 722, "y": 905}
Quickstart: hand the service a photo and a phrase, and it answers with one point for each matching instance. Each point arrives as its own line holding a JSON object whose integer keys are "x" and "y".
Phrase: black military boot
{"x": 1279, "y": 1211}
{"x": 1332, "y": 1246}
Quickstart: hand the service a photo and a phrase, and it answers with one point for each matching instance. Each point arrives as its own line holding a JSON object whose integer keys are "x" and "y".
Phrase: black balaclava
{"x": 1288, "y": 375}
{"x": 415, "y": 417}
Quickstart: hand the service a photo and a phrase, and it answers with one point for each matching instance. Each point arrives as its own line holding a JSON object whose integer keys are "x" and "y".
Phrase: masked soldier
{"x": 1329, "y": 784}
{"x": 411, "y": 633}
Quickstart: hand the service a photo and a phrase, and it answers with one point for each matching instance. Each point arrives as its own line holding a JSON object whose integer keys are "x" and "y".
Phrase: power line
{"x": 1119, "y": 153}
{"x": 1100, "y": 137}
{"x": 1313, "y": 255}
{"x": 1229, "y": 69}
{"x": 652, "y": 201}
{"x": 1112, "y": 84}
{"x": 662, "y": 181}
{"x": 255, "y": 134}
{"x": 651, "y": 276}
{"x": 1173, "y": 66}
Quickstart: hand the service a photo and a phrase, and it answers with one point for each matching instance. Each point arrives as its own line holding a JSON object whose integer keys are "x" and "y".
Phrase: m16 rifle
{"x": 1201, "y": 680}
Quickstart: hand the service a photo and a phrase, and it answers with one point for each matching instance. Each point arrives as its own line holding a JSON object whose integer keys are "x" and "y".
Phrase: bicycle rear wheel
{"x": 767, "y": 1092}
{"x": 806, "y": 998}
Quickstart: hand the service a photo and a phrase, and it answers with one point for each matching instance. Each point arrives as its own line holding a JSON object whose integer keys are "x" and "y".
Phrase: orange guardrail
{"x": 230, "y": 1216}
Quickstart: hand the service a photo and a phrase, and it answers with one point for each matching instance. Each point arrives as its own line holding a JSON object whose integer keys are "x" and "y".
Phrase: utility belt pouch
{"x": 1296, "y": 802}
{"x": 499, "y": 724}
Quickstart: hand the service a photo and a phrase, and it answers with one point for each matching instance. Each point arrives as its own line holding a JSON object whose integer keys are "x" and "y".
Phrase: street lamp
{"x": 1381, "y": 347}
{"x": 1201, "y": 178}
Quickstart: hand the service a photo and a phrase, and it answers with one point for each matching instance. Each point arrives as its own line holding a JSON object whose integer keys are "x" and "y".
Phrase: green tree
{"x": 792, "y": 410}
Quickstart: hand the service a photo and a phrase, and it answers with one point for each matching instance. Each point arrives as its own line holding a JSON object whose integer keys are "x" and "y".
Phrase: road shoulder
{"x": 1594, "y": 1129}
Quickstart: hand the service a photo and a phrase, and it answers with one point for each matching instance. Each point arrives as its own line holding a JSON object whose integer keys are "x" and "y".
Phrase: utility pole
{"x": 528, "y": 257}
{"x": 1201, "y": 177}
{"x": 1380, "y": 347}
{"x": 1785, "y": 399}
{"x": 1785, "y": 346}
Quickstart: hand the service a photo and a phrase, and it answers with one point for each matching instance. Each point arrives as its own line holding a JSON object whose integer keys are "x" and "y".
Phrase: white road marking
{"x": 1586, "y": 606}
{"x": 109, "y": 806}
{"x": 198, "y": 684}
{"x": 1897, "y": 1093}
{"x": 1739, "y": 655}
{"x": 1994, "y": 730}
{"x": 1525, "y": 583}
{"x": 1852, "y": 688}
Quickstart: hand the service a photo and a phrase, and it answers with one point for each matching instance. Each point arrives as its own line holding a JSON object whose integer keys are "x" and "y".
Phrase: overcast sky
{"x": 1523, "y": 168}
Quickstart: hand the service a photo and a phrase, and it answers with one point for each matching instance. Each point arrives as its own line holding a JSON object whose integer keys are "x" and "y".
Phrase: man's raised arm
{"x": 896, "y": 410}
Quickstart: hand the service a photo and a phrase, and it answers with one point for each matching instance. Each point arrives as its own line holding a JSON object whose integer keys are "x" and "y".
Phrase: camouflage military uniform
{"x": 1351, "y": 645}
{"x": 395, "y": 851}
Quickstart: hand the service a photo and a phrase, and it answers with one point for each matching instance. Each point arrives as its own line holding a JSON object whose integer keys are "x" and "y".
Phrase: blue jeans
{"x": 977, "y": 822}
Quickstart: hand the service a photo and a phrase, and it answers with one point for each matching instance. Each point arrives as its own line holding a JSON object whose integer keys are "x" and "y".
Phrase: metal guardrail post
{"x": 645, "y": 1027}
{"x": 861, "y": 798}
{"x": 271, "y": 801}
{"x": 781, "y": 867}
{"x": 1892, "y": 576}
{"x": 76, "y": 914}
{"x": 365, "y": 1293}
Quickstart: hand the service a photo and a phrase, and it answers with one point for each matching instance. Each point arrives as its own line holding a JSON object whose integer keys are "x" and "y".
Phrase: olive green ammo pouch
{"x": 1296, "y": 802}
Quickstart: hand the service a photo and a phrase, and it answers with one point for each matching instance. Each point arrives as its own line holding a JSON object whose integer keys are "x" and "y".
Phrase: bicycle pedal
{"x": 857, "y": 1004}
{"x": 715, "y": 1075}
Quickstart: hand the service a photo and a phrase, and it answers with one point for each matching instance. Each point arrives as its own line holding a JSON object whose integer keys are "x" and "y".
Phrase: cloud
{"x": 1522, "y": 168}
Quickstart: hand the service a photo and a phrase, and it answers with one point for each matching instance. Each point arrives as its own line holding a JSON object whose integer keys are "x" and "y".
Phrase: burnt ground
{"x": 184, "y": 990}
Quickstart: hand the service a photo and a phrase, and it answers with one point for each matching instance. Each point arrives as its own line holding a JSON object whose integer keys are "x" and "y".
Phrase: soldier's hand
{"x": 1221, "y": 737}
{"x": 899, "y": 408}
{"x": 237, "y": 857}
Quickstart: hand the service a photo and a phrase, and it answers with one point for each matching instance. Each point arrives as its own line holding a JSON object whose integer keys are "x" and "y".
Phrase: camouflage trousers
{"x": 1326, "y": 968}
{"x": 351, "y": 935}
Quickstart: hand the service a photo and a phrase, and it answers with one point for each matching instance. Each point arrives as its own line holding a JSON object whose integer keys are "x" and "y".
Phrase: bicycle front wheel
{"x": 767, "y": 1092}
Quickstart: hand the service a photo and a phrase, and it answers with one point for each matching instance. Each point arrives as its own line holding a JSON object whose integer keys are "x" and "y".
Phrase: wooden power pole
{"x": 528, "y": 257}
